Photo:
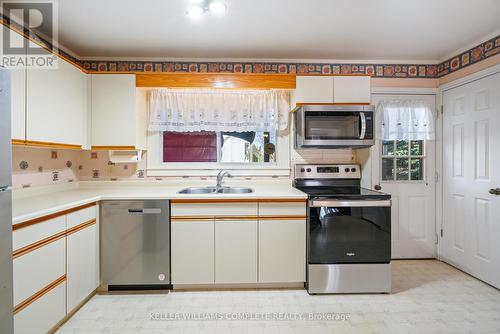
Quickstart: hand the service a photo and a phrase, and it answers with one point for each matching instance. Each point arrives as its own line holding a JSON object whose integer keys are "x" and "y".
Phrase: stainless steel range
{"x": 349, "y": 233}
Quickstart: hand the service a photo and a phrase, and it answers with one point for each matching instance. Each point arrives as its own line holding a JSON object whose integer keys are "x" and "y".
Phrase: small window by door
{"x": 403, "y": 160}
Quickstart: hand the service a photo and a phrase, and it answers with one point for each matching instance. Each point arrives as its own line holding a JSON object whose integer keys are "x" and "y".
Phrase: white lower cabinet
{"x": 192, "y": 251}
{"x": 55, "y": 267}
{"x": 238, "y": 242}
{"x": 37, "y": 269}
{"x": 43, "y": 314}
{"x": 235, "y": 251}
{"x": 83, "y": 265}
{"x": 282, "y": 251}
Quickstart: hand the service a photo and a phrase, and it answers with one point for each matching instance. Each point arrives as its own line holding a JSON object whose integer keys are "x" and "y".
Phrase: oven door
{"x": 349, "y": 231}
{"x": 338, "y": 128}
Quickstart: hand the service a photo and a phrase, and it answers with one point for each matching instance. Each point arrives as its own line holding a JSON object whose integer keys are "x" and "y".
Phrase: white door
{"x": 471, "y": 167}
{"x": 406, "y": 170}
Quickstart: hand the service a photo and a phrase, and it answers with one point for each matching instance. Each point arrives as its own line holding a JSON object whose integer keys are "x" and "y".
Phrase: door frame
{"x": 436, "y": 92}
{"x": 439, "y": 167}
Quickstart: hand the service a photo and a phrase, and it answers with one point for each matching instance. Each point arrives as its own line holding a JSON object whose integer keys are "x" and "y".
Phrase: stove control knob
{"x": 347, "y": 170}
{"x": 302, "y": 170}
{"x": 353, "y": 170}
{"x": 308, "y": 170}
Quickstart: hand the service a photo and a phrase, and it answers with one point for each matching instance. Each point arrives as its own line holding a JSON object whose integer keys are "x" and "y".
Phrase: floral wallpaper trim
{"x": 474, "y": 55}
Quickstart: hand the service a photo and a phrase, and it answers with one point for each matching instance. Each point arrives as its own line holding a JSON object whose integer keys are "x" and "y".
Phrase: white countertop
{"x": 32, "y": 203}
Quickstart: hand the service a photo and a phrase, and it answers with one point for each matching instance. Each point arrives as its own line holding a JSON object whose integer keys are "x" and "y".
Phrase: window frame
{"x": 156, "y": 166}
{"x": 409, "y": 156}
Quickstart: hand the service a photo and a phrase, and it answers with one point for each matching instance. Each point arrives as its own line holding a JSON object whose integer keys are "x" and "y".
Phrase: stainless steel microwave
{"x": 334, "y": 126}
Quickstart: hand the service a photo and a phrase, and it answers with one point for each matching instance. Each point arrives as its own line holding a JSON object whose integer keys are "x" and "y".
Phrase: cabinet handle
{"x": 495, "y": 191}
{"x": 377, "y": 187}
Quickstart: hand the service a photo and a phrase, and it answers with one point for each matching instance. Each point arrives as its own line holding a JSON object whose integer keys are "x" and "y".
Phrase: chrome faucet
{"x": 220, "y": 176}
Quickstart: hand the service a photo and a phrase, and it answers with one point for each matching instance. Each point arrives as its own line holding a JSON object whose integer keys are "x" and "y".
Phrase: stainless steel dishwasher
{"x": 135, "y": 244}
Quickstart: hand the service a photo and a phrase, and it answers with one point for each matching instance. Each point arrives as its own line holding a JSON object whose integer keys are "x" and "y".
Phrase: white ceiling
{"x": 385, "y": 30}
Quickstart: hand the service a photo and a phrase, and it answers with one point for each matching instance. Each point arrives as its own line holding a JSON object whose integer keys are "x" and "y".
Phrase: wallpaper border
{"x": 471, "y": 56}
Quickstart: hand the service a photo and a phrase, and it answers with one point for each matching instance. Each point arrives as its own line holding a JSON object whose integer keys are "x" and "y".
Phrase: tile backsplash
{"x": 40, "y": 166}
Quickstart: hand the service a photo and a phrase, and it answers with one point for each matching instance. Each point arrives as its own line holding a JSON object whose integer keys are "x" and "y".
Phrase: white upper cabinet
{"x": 55, "y": 106}
{"x": 351, "y": 89}
{"x": 332, "y": 89}
{"x": 17, "y": 89}
{"x": 117, "y": 115}
{"x": 314, "y": 89}
{"x": 18, "y": 104}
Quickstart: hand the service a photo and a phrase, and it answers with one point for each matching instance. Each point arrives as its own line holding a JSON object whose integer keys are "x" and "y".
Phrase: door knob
{"x": 377, "y": 187}
{"x": 495, "y": 191}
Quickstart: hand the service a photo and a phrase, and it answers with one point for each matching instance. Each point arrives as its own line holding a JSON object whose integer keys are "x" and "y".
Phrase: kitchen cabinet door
{"x": 55, "y": 108}
{"x": 114, "y": 119}
{"x": 17, "y": 88}
{"x": 18, "y": 104}
{"x": 313, "y": 89}
{"x": 235, "y": 251}
{"x": 351, "y": 89}
{"x": 192, "y": 259}
{"x": 282, "y": 250}
{"x": 82, "y": 265}
{"x": 44, "y": 313}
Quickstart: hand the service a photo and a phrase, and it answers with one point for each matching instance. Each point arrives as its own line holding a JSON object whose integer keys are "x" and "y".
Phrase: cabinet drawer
{"x": 213, "y": 209}
{"x": 44, "y": 313}
{"x": 28, "y": 235}
{"x": 82, "y": 216}
{"x": 38, "y": 268}
{"x": 283, "y": 209}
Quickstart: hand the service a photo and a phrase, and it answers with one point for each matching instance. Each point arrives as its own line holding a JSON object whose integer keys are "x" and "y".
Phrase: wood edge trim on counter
{"x": 113, "y": 148}
{"x": 217, "y": 80}
{"x": 25, "y": 303}
{"x": 237, "y": 200}
{"x": 80, "y": 227}
{"x": 38, "y": 244}
{"x": 51, "y": 216}
{"x": 292, "y": 217}
{"x": 18, "y": 142}
{"x": 214, "y": 217}
{"x": 299, "y": 104}
{"x": 33, "y": 143}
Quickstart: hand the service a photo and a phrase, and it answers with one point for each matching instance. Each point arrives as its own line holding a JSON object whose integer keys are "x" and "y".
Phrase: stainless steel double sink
{"x": 214, "y": 190}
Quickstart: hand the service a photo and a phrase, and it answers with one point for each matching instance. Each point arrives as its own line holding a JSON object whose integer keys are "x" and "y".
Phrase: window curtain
{"x": 405, "y": 120}
{"x": 188, "y": 110}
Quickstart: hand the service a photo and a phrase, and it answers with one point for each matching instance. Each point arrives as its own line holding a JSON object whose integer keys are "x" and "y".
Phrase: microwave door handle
{"x": 363, "y": 125}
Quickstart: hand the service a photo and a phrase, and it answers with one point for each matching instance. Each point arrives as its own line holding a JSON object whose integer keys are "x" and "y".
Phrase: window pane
{"x": 417, "y": 169}
{"x": 189, "y": 147}
{"x": 388, "y": 147}
{"x": 402, "y": 147}
{"x": 387, "y": 169}
{"x": 253, "y": 147}
{"x": 417, "y": 147}
{"x": 402, "y": 168}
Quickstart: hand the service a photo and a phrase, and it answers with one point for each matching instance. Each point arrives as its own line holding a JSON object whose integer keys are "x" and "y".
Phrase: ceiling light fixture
{"x": 195, "y": 12}
{"x": 214, "y": 6}
{"x": 217, "y": 7}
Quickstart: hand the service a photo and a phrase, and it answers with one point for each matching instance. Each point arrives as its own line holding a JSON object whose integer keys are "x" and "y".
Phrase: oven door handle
{"x": 362, "y": 116}
{"x": 353, "y": 204}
